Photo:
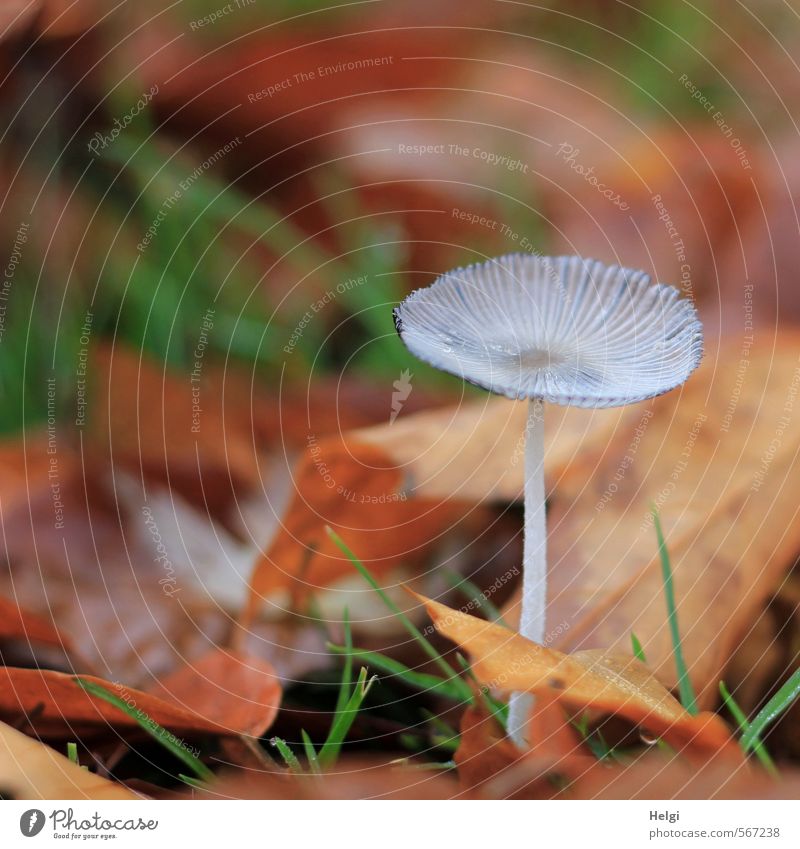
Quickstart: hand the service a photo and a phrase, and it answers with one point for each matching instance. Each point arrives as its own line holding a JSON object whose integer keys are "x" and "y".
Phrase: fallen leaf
{"x": 717, "y": 468}
{"x": 55, "y": 706}
{"x": 356, "y": 490}
{"x": 235, "y": 691}
{"x": 608, "y": 683}
{"x": 16, "y": 623}
{"x": 475, "y": 451}
{"x": 485, "y": 753}
{"x": 31, "y": 770}
{"x": 145, "y": 419}
{"x": 352, "y": 778}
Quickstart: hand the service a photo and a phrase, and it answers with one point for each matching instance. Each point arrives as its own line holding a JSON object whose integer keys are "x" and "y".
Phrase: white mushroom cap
{"x": 568, "y": 330}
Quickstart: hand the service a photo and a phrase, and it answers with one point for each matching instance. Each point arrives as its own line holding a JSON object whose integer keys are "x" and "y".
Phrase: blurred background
{"x": 210, "y": 208}
{"x": 248, "y": 157}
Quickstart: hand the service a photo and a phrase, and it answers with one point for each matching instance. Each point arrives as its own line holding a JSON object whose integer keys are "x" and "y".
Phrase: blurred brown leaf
{"x": 31, "y": 770}
{"x": 358, "y": 491}
{"x": 485, "y": 753}
{"x": 220, "y": 695}
{"x": 716, "y": 458}
{"x": 235, "y": 691}
{"x": 16, "y": 623}
{"x": 475, "y": 451}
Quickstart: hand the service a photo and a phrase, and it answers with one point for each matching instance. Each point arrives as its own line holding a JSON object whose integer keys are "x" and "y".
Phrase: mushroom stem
{"x": 534, "y": 559}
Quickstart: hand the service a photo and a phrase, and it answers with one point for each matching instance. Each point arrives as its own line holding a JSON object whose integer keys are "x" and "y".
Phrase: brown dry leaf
{"x": 54, "y": 705}
{"x": 235, "y": 691}
{"x": 31, "y": 770}
{"x": 716, "y": 457}
{"x": 144, "y": 421}
{"x": 357, "y": 490}
{"x": 484, "y": 750}
{"x": 609, "y": 683}
{"x": 475, "y": 451}
{"x": 485, "y": 753}
{"x": 652, "y": 776}
{"x": 16, "y": 16}
{"x": 352, "y": 778}
{"x": 16, "y": 623}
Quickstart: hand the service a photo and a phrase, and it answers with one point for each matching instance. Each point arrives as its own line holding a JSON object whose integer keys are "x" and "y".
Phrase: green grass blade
{"x": 193, "y": 782}
{"x": 638, "y": 651}
{"x": 343, "y": 721}
{"x": 72, "y": 753}
{"x": 412, "y": 629}
{"x": 418, "y": 680}
{"x": 160, "y": 734}
{"x": 311, "y": 753}
{"x": 688, "y": 698}
{"x": 771, "y": 711}
{"x": 741, "y": 720}
{"x": 287, "y": 754}
{"x": 347, "y": 672}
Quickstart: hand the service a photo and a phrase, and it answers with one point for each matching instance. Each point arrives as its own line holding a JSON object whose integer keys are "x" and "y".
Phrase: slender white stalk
{"x": 534, "y": 558}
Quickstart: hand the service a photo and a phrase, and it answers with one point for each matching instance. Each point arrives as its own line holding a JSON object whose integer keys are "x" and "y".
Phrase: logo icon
{"x": 402, "y": 389}
{"x": 31, "y": 822}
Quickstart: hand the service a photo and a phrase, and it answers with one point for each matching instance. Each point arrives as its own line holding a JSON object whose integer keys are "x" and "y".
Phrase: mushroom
{"x": 565, "y": 330}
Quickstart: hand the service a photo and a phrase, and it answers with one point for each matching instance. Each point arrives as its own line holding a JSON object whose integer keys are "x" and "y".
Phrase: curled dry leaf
{"x": 222, "y": 694}
{"x": 358, "y": 491}
{"x": 31, "y": 770}
{"x": 236, "y": 691}
{"x": 608, "y": 683}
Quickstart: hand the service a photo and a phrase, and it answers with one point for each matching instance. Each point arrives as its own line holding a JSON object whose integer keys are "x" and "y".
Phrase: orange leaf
{"x": 54, "y": 705}
{"x": 358, "y": 491}
{"x": 236, "y": 691}
{"x": 609, "y": 683}
{"x": 19, "y": 624}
